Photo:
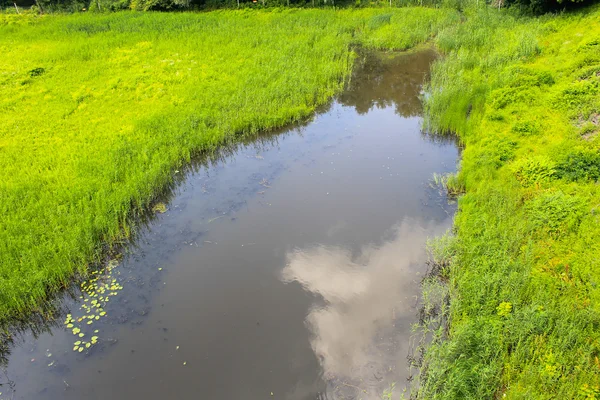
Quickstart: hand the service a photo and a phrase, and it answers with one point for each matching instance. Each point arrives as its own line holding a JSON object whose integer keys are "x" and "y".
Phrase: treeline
{"x": 49, "y": 6}
{"x": 182, "y": 5}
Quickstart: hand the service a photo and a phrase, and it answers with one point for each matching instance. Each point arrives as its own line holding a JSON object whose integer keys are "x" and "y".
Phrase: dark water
{"x": 287, "y": 269}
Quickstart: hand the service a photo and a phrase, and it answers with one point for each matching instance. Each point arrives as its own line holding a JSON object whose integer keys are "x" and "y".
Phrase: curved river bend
{"x": 288, "y": 268}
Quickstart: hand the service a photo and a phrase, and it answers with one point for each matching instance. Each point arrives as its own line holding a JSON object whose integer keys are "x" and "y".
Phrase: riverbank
{"x": 101, "y": 111}
{"x": 253, "y": 272}
{"x": 523, "y": 95}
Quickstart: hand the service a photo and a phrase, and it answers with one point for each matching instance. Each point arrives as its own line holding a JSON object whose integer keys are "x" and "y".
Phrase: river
{"x": 286, "y": 267}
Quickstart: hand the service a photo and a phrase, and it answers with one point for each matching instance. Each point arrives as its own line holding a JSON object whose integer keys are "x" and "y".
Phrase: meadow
{"x": 100, "y": 111}
{"x": 518, "y": 293}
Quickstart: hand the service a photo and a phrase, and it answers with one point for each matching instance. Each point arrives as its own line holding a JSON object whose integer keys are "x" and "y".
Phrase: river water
{"x": 285, "y": 268}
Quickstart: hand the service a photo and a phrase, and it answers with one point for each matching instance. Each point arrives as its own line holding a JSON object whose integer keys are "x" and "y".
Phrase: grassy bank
{"x": 99, "y": 112}
{"x": 523, "y": 94}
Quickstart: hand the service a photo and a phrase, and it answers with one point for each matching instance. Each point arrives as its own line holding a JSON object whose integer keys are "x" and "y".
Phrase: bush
{"x": 542, "y": 6}
{"x": 580, "y": 166}
{"x": 158, "y": 5}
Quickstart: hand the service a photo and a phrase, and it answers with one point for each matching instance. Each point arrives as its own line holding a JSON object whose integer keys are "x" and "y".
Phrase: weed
{"x": 452, "y": 183}
{"x": 537, "y": 170}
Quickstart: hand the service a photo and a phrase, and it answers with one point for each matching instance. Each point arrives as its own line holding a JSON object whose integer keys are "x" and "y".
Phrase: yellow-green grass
{"x": 99, "y": 111}
{"x": 523, "y": 94}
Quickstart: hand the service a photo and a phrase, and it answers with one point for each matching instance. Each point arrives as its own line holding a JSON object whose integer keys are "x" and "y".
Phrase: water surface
{"x": 288, "y": 268}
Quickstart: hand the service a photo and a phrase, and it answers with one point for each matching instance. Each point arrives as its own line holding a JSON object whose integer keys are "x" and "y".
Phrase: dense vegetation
{"x": 524, "y": 275}
{"x": 45, "y": 6}
{"x": 100, "y": 111}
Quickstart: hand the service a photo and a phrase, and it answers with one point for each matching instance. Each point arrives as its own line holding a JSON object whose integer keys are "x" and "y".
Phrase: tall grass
{"x": 98, "y": 111}
{"x": 523, "y": 95}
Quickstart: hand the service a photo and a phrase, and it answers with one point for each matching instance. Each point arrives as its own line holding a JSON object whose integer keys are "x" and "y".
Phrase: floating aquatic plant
{"x": 96, "y": 292}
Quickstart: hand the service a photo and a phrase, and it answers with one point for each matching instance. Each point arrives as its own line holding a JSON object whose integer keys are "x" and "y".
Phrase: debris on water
{"x": 185, "y": 362}
{"x": 177, "y": 348}
{"x": 160, "y": 208}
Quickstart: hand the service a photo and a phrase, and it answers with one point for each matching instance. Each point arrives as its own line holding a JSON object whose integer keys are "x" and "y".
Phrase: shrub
{"x": 158, "y": 5}
{"x": 581, "y": 165}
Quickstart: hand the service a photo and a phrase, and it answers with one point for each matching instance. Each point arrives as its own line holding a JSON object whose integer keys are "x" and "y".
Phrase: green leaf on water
{"x": 87, "y": 345}
{"x": 69, "y": 326}
{"x": 77, "y": 343}
{"x": 80, "y": 349}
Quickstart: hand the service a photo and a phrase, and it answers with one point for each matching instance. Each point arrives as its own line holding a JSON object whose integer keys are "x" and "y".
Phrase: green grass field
{"x": 99, "y": 111}
{"x": 523, "y": 94}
